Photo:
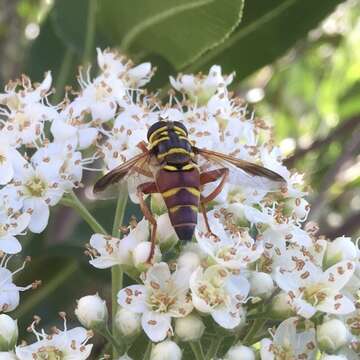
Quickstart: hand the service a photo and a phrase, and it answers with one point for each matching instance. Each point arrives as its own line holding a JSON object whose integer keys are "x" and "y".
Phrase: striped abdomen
{"x": 181, "y": 192}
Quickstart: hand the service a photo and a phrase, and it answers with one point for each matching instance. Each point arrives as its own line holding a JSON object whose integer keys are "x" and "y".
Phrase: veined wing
{"x": 136, "y": 165}
{"x": 244, "y": 173}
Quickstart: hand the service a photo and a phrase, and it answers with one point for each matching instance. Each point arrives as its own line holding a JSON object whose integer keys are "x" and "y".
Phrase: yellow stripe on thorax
{"x": 175, "y": 150}
{"x": 163, "y": 128}
{"x": 180, "y": 130}
{"x": 178, "y": 207}
{"x": 174, "y": 191}
{"x": 156, "y": 142}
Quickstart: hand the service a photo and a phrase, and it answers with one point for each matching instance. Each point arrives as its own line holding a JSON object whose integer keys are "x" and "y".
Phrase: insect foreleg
{"x": 148, "y": 188}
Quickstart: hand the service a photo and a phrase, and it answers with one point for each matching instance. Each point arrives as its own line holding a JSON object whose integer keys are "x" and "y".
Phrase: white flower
{"x": 239, "y": 351}
{"x": 92, "y": 312}
{"x": 163, "y": 296}
{"x": 127, "y": 322}
{"x": 107, "y": 251}
{"x": 8, "y": 332}
{"x": 217, "y": 292}
{"x": 310, "y": 289}
{"x": 39, "y": 187}
{"x": 331, "y": 335}
{"x": 189, "y": 328}
{"x": 10, "y": 159}
{"x": 166, "y": 350}
{"x": 232, "y": 247}
{"x": 25, "y": 111}
{"x": 64, "y": 345}
{"x": 287, "y": 343}
{"x": 12, "y": 221}
{"x": 341, "y": 248}
{"x": 9, "y": 292}
{"x": 201, "y": 88}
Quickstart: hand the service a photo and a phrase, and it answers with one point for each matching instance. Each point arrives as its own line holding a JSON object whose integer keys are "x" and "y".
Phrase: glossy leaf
{"x": 178, "y": 30}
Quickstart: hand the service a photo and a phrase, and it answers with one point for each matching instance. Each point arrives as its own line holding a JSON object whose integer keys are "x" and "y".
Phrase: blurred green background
{"x": 297, "y": 63}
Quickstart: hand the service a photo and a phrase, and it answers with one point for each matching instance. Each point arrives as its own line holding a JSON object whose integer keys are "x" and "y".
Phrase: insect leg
{"x": 205, "y": 178}
{"x": 148, "y": 188}
{"x": 210, "y": 176}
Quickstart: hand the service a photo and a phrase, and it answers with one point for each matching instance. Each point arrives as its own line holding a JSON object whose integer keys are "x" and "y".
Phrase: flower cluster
{"x": 261, "y": 277}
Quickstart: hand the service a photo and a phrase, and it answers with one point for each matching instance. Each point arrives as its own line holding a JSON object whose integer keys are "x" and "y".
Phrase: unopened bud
{"x": 8, "y": 332}
{"x": 189, "y": 260}
{"x": 166, "y": 350}
{"x": 299, "y": 206}
{"x": 141, "y": 255}
{"x": 342, "y": 248}
{"x": 166, "y": 234}
{"x": 91, "y": 311}
{"x": 238, "y": 214}
{"x": 331, "y": 335}
{"x": 8, "y": 355}
{"x": 157, "y": 204}
{"x": 280, "y": 306}
{"x": 127, "y": 322}
{"x": 189, "y": 328}
{"x": 261, "y": 285}
{"x": 125, "y": 357}
{"x": 239, "y": 351}
{"x": 333, "y": 357}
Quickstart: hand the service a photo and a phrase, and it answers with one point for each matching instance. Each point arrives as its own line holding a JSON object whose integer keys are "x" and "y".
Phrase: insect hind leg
{"x": 148, "y": 188}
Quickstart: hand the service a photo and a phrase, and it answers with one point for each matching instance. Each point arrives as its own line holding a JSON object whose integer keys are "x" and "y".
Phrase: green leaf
{"x": 178, "y": 30}
{"x": 267, "y": 30}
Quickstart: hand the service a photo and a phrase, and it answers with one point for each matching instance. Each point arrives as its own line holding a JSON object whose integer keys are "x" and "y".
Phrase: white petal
{"x": 159, "y": 273}
{"x": 339, "y": 274}
{"x": 87, "y": 137}
{"x": 133, "y": 298}
{"x": 336, "y": 304}
{"x": 303, "y": 308}
{"x": 286, "y": 332}
{"x": 225, "y": 317}
{"x": 40, "y": 214}
{"x": 6, "y": 172}
{"x": 155, "y": 325}
{"x": 10, "y": 244}
{"x": 265, "y": 350}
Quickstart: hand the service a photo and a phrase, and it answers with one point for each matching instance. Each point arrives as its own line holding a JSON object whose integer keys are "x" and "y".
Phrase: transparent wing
{"x": 129, "y": 174}
{"x": 241, "y": 172}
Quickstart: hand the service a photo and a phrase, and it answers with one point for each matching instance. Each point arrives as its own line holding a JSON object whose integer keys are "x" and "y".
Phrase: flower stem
{"x": 255, "y": 327}
{"x": 111, "y": 339}
{"x": 90, "y": 31}
{"x": 117, "y": 271}
{"x": 64, "y": 71}
{"x": 71, "y": 200}
{"x": 214, "y": 348}
{"x": 197, "y": 350}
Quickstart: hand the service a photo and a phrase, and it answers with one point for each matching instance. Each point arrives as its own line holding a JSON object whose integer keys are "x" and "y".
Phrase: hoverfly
{"x": 169, "y": 160}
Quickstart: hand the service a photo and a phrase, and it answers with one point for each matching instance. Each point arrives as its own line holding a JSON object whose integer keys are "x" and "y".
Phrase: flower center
{"x": 315, "y": 294}
{"x": 49, "y": 353}
{"x": 101, "y": 92}
{"x": 36, "y": 187}
{"x": 2, "y": 158}
{"x": 22, "y": 120}
{"x": 160, "y": 301}
{"x": 284, "y": 352}
{"x": 211, "y": 294}
{"x": 226, "y": 253}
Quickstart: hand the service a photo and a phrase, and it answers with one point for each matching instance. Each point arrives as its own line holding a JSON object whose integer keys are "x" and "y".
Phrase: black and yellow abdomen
{"x": 181, "y": 192}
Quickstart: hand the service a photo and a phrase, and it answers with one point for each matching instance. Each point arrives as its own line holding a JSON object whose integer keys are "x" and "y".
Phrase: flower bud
{"x": 124, "y": 357}
{"x": 166, "y": 234}
{"x": 240, "y": 352}
{"x": 141, "y": 255}
{"x": 8, "y": 332}
{"x": 91, "y": 311}
{"x": 166, "y": 350}
{"x": 7, "y": 355}
{"x": 342, "y": 248}
{"x": 189, "y": 328}
{"x": 333, "y": 357}
{"x": 189, "y": 260}
{"x": 127, "y": 322}
{"x": 331, "y": 335}
{"x": 280, "y": 306}
{"x": 261, "y": 285}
